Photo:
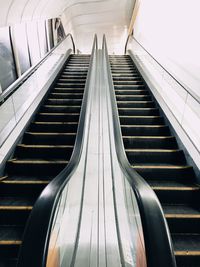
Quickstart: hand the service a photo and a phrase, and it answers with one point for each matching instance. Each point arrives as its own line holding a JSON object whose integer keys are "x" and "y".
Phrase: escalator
{"x": 43, "y": 151}
{"x": 154, "y": 153}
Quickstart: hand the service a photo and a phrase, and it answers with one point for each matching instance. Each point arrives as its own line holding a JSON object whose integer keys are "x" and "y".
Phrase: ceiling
{"x": 83, "y": 18}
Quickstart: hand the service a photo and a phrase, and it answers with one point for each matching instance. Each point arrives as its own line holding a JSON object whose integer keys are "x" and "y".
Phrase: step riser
{"x": 131, "y": 92}
{"x": 184, "y": 225}
{"x": 124, "y": 72}
{"x": 14, "y": 217}
{"x": 156, "y": 157}
{"x": 137, "y": 85}
{"x": 188, "y": 261}
{"x": 68, "y": 90}
{"x": 75, "y": 69}
{"x": 167, "y": 174}
{"x": 151, "y": 112}
{"x": 69, "y": 102}
{"x": 69, "y": 85}
{"x": 8, "y": 251}
{"x": 57, "y": 118}
{"x": 150, "y": 144}
{"x": 122, "y": 68}
{"x": 63, "y": 96}
{"x": 34, "y": 169}
{"x": 43, "y": 153}
{"x": 145, "y": 131}
{"x": 31, "y": 191}
{"x": 49, "y": 140}
{"x": 133, "y": 98}
{"x": 175, "y": 196}
{"x": 135, "y": 105}
{"x": 74, "y": 76}
{"x": 60, "y": 109}
{"x": 126, "y": 78}
{"x": 74, "y": 72}
{"x": 70, "y": 80}
{"x": 53, "y": 128}
{"x": 141, "y": 121}
{"x": 124, "y": 83}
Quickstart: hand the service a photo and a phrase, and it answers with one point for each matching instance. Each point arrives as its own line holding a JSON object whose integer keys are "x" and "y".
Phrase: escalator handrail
{"x": 187, "y": 89}
{"x": 13, "y": 87}
{"x": 126, "y": 44}
{"x": 72, "y": 40}
{"x": 34, "y": 248}
{"x": 158, "y": 244}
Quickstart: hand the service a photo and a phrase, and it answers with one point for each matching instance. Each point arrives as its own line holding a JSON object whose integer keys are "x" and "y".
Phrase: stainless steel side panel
{"x": 100, "y": 225}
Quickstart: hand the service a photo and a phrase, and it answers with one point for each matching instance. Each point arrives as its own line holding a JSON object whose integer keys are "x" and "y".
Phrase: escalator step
{"x": 176, "y": 195}
{"x": 58, "y": 117}
{"x": 133, "y": 97}
{"x": 144, "y": 131}
{"x": 158, "y": 156}
{"x": 49, "y": 138}
{"x": 137, "y": 85}
{"x": 35, "y": 167}
{"x": 181, "y": 217}
{"x": 44, "y": 151}
{"x": 57, "y": 127}
{"x": 66, "y": 95}
{"x": 53, "y": 101}
{"x": 187, "y": 249}
{"x": 141, "y": 120}
{"x": 165, "y": 172}
{"x": 135, "y": 104}
{"x": 150, "y": 142}
{"x": 138, "y": 112}
{"x": 131, "y": 92}
{"x": 59, "y": 108}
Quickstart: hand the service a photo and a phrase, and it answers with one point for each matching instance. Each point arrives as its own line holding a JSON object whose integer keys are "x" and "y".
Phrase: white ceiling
{"x": 83, "y": 18}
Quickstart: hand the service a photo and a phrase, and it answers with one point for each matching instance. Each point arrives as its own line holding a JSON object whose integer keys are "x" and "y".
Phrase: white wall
{"x": 170, "y": 31}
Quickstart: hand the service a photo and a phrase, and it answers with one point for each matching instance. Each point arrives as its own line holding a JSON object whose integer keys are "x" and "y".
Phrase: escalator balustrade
{"x": 154, "y": 153}
{"x": 44, "y": 150}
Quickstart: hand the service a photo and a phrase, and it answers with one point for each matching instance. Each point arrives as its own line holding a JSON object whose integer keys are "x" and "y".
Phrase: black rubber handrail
{"x": 37, "y": 234}
{"x": 13, "y": 87}
{"x": 158, "y": 245}
{"x": 175, "y": 79}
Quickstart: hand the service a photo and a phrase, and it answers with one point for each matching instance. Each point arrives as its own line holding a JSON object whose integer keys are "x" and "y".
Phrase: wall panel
{"x": 7, "y": 67}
